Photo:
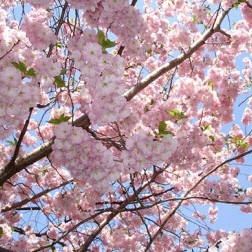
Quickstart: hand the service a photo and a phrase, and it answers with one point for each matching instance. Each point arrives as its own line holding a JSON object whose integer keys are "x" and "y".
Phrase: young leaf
{"x": 59, "y": 82}
{"x": 173, "y": 112}
{"x": 15, "y": 140}
{"x": 63, "y": 71}
{"x": 58, "y": 44}
{"x": 162, "y": 129}
{"x": 1, "y": 231}
{"x": 162, "y": 126}
{"x": 178, "y": 115}
{"x": 105, "y": 43}
{"x": 207, "y": 127}
{"x": 20, "y": 66}
{"x": 108, "y": 44}
{"x": 244, "y": 145}
{"x": 212, "y": 138}
{"x": 59, "y": 120}
{"x": 101, "y": 37}
{"x": 43, "y": 170}
{"x": 210, "y": 84}
{"x": 31, "y": 72}
{"x": 12, "y": 143}
{"x": 195, "y": 20}
{"x": 166, "y": 132}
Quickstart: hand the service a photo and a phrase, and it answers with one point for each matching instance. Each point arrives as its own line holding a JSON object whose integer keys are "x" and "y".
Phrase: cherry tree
{"x": 111, "y": 124}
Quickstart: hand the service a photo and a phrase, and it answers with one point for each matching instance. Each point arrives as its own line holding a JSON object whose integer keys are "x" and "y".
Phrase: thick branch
{"x": 5, "y": 250}
{"x": 84, "y": 122}
{"x": 174, "y": 63}
{"x": 22, "y": 162}
{"x": 42, "y": 151}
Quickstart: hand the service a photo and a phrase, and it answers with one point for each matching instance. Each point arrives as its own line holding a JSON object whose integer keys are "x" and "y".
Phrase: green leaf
{"x": 59, "y": 120}
{"x": 212, "y": 138}
{"x": 63, "y": 71}
{"x": 59, "y": 82}
{"x": 244, "y": 145}
{"x": 162, "y": 129}
{"x": 236, "y": 5}
{"x": 207, "y": 127}
{"x": 178, "y": 115}
{"x": 210, "y": 84}
{"x": 108, "y": 44}
{"x": 1, "y": 232}
{"x": 162, "y": 126}
{"x": 44, "y": 170}
{"x": 31, "y": 72}
{"x": 165, "y": 132}
{"x": 101, "y": 37}
{"x": 10, "y": 142}
{"x": 58, "y": 44}
{"x": 52, "y": 248}
{"x": 105, "y": 43}
{"x": 149, "y": 51}
{"x": 195, "y": 21}
{"x": 20, "y": 66}
{"x": 13, "y": 143}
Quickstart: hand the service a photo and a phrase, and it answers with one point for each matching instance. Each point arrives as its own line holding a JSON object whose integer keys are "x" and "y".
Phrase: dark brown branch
{"x": 28, "y": 209}
{"x": 248, "y": 4}
{"x": 60, "y": 23}
{"x": 5, "y": 250}
{"x": 20, "y": 139}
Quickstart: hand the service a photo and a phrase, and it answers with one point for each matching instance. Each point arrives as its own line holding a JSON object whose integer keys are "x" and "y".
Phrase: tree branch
{"x": 22, "y": 162}
{"x": 36, "y": 196}
{"x": 84, "y": 121}
{"x": 189, "y": 191}
{"x": 60, "y": 23}
{"x": 174, "y": 63}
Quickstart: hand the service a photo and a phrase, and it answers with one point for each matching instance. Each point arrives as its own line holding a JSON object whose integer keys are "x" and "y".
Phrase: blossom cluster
{"x": 134, "y": 29}
{"x": 238, "y": 242}
{"x": 128, "y": 164}
{"x": 143, "y": 150}
{"x": 102, "y": 94}
{"x": 37, "y": 29}
{"x": 87, "y": 160}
